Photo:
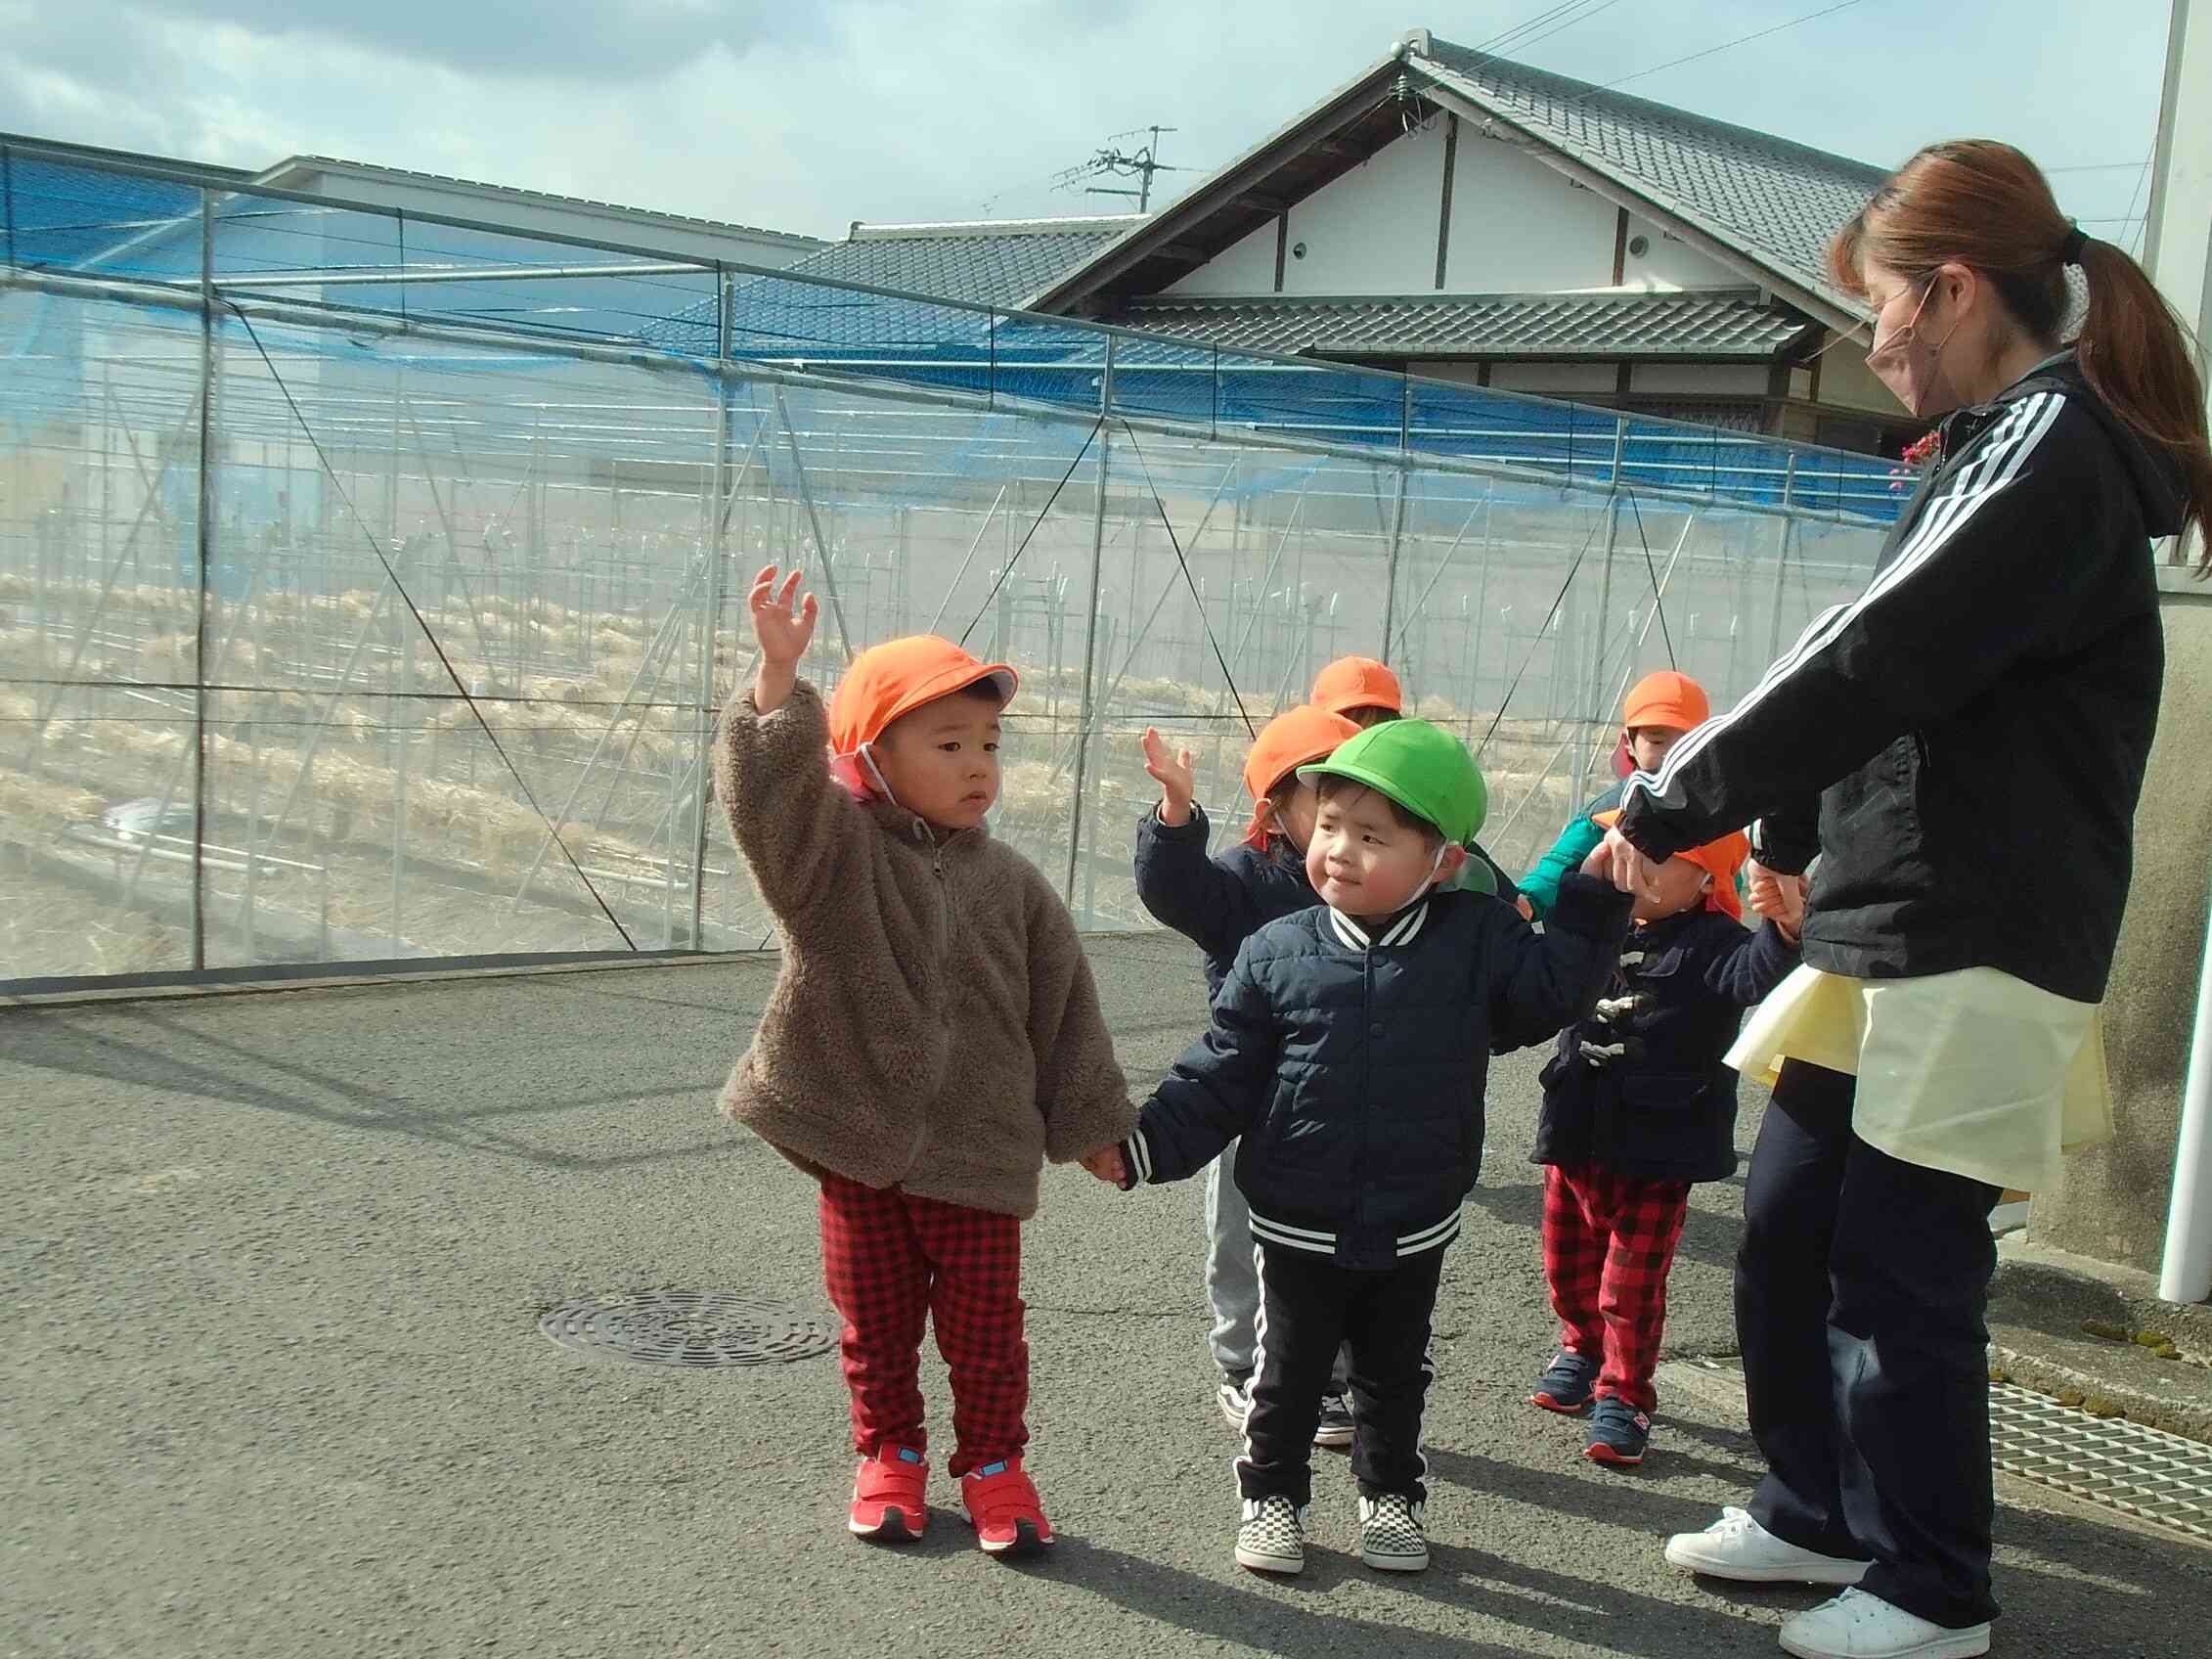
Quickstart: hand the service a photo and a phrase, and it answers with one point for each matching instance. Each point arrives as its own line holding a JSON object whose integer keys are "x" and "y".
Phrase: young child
{"x": 1658, "y": 710}
{"x": 1218, "y": 903}
{"x": 1347, "y": 1057}
{"x": 1367, "y": 693}
{"x": 933, "y": 1036}
{"x": 1638, "y": 1105}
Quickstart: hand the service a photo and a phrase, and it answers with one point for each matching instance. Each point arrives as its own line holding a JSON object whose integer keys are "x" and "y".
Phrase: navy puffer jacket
{"x": 1353, "y": 1068}
{"x": 1640, "y": 1085}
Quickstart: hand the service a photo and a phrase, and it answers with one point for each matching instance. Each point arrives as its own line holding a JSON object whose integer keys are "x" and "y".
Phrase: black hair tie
{"x": 2070, "y": 250}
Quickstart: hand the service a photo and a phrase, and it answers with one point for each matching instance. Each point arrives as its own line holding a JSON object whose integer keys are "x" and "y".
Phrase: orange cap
{"x": 1296, "y": 738}
{"x": 1721, "y": 859}
{"x": 1357, "y": 682}
{"x": 1667, "y": 699}
{"x": 898, "y": 676}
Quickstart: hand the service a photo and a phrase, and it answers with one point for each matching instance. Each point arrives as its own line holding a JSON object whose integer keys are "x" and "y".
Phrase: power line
{"x": 1564, "y": 23}
{"x": 1729, "y": 45}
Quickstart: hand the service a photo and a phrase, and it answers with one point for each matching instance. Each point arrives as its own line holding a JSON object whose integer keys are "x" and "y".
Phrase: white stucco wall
{"x": 1667, "y": 265}
{"x": 1244, "y": 267}
{"x": 1517, "y": 226}
{"x": 1372, "y": 230}
{"x": 1697, "y": 380}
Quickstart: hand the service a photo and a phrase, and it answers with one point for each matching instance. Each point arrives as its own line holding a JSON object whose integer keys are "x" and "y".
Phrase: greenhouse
{"x": 369, "y": 582}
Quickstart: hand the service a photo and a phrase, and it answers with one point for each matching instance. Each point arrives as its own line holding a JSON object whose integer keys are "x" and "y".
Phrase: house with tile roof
{"x": 1460, "y": 216}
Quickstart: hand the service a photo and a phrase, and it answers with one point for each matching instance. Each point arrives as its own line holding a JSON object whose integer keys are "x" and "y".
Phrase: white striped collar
{"x": 1402, "y": 929}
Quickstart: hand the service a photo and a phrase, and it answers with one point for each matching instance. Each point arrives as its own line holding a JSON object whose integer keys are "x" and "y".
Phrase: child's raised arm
{"x": 1177, "y": 884}
{"x": 797, "y": 829}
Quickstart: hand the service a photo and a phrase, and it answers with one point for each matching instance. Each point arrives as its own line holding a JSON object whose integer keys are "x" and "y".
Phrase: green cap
{"x": 1419, "y": 765}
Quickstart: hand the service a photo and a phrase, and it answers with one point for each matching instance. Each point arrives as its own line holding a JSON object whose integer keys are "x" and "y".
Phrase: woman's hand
{"x": 1618, "y": 859}
{"x": 1175, "y": 777}
{"x": 784, "y": 630}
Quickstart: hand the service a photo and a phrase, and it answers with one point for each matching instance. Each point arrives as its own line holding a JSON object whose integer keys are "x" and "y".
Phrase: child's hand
{"x": 1521, "y": 903}
{"x": 1106, "y": 1162}
{"x": 1175, "y": 777}
{"x": 784, "y": 632}
{"x": 1781, "y": 899}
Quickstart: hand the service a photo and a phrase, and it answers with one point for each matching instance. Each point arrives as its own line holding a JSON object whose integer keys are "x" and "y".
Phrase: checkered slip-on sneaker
{"x": 1389, "y": 1534}
{"x": 1272, "y": 1537}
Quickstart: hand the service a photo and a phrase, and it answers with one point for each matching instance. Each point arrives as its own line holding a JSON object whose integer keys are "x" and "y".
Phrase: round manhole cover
{"x": 689, "y": 1327}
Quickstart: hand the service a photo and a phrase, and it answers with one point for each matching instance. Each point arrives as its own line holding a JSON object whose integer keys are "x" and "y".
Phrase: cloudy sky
{"x": 804, "y": 116}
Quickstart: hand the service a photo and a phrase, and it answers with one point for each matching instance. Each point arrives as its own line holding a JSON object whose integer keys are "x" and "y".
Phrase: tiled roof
{"x": 1773, "y": 200}
{"x": 991, "y": 263}
{"x": 1486, "y": 324}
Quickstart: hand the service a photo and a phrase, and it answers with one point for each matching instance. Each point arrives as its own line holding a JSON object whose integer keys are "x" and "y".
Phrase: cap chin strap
{"x": 866, "y": 756}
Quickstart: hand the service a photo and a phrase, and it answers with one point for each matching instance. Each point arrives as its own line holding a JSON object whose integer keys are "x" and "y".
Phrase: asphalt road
{"x": 275, "y": 1384}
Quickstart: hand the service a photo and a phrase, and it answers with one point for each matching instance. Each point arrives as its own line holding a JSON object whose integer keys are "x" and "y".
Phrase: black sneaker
{"x": 1619, "y": 1433}
{"x": 1566, "y": 1385}
{"x": 1335, "y": 1426}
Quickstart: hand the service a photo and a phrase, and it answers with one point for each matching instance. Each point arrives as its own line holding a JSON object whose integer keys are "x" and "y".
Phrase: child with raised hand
{"x": 1639, "y": 1104}
{"x": 1345, "y": 1059}
{"x": 1218, "y": 903}
{"x": 934, "y": 1035}
{"x": 1659, "y": 711}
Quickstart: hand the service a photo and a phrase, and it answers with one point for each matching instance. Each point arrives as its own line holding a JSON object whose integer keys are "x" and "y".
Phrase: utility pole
{"x": 1139, "y": 165}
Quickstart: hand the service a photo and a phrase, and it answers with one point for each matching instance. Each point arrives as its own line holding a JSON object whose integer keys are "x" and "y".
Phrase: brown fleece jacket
{"x": 935, "y": 1026}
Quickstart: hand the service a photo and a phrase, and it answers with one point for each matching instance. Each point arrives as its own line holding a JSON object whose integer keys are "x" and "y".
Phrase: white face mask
{"x": 1913, "y": 369}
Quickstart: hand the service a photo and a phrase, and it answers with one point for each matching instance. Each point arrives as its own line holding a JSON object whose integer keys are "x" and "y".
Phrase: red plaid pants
{"x": 893, "y": 1261}
{"x": 1609, "y": 1241}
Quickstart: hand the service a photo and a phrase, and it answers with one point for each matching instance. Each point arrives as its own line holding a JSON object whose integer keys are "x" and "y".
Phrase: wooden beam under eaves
{"x": 1183, "y": 254}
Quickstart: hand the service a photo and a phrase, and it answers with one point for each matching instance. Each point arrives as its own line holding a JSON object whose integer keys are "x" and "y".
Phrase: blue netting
{"x": 87, "y": 220}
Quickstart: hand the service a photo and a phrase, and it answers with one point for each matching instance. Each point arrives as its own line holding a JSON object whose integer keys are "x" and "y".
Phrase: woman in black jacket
{"x": 1969, "y": 736}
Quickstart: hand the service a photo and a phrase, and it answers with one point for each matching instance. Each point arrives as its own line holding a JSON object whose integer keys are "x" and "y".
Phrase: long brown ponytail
{"x": 1985, "y": 205}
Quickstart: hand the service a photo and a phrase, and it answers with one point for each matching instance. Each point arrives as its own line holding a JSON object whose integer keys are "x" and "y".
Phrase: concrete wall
{"x": 2112, "y": 1201}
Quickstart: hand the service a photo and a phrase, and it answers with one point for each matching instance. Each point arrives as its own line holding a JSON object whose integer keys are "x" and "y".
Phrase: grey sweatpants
{"x": 1232, "y": 1280}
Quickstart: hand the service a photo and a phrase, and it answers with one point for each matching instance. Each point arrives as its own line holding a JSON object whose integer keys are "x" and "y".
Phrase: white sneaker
{"x": 1235, "y": 1396}
{"x": 1736, "y": 1547}
{"x": 1859, "y": 1626}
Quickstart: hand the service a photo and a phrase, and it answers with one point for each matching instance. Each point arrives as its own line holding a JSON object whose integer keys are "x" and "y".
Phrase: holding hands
{"x": 1175, "y": 778}
{"x": 784, "y": 629}
{"x": 1105, "y": 1163}
{"x": 1781, "y": 899}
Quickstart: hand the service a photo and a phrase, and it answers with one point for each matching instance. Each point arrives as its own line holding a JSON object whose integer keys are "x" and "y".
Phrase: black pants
{"x": 1860, "y": 1289}
{"x": 1307, "y": 1307}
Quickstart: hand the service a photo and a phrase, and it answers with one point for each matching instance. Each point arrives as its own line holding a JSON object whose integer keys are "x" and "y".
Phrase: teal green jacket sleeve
{"x": 1540, "y": 885}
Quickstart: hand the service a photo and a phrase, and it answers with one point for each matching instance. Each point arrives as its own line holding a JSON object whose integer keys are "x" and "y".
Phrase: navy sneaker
{"x": 1619, "y": 1433}
{"x": 1335, "y": 1426}
{"x": 1567, "y": 1384}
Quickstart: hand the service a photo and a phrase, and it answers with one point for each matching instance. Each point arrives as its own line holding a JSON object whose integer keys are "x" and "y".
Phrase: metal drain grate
{"x": 689, "y": 1327}
{"x": 2146, "y": 1472}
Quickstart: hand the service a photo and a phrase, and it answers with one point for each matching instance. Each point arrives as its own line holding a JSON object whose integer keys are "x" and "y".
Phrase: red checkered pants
{"x": 1609, "y": 1241}
{"x": 893, "y": 1261}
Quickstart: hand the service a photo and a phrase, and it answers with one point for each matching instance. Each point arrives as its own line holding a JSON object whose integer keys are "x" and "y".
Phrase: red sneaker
{"x": 889, "y": 1500}
{"x": 1004, "y": 1509}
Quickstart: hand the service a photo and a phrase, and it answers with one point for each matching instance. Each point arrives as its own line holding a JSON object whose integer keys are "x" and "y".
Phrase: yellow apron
{"x": 1974, "y": 1072}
